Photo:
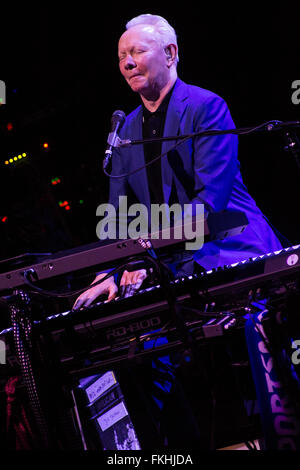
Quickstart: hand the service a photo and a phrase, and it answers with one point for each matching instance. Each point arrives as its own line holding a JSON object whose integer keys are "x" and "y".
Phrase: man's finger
{"x": 128, "y": 290}
{"x": 138, "y": 283}
{"x": 112, "y": 293}
{"x": 111, "y": 297}
{"x": 85, "y": 299}
{"x": 78, "y": 303}
{"x": 88, "y": 301}
{"x": 124, "y": 278}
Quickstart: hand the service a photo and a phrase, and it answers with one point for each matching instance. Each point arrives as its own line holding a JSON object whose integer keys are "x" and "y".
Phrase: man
{"x": 203, "y": 171}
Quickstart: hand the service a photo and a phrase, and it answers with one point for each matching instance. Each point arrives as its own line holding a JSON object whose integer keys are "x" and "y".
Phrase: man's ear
{"x": 171, "y": 51}
{"x": 168, "y": 52}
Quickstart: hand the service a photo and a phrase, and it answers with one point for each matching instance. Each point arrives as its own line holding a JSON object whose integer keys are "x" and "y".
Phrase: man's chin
{"x": 135, "y": 87}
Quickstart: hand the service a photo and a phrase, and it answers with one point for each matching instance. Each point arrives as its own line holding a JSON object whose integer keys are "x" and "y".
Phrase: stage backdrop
{"x": 60, "y": 69}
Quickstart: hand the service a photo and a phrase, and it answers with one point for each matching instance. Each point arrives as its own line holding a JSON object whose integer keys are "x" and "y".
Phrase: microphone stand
{"x": 293, "y": 144}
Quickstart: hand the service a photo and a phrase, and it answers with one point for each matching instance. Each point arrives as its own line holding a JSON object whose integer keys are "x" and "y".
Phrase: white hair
{"x": 164, "y": 29}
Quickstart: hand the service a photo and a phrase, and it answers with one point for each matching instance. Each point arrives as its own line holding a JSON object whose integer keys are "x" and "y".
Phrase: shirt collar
{"x": 162, "y": 107}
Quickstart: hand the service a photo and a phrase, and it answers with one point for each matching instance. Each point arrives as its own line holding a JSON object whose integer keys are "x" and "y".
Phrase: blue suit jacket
{"x": 204, "y": 170}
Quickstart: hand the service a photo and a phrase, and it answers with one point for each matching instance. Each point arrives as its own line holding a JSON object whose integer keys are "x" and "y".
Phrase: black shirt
{"x": 153, "y": 126}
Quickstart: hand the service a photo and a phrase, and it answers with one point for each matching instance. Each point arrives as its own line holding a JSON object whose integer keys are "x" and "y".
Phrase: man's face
{"x": 142, "y": 60}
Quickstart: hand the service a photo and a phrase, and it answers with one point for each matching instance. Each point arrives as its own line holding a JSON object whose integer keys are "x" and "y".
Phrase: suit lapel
{"x": 178, "y": 103}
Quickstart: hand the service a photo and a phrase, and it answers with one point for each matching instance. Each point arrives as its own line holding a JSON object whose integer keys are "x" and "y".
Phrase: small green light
{"x": 80, "y": 201}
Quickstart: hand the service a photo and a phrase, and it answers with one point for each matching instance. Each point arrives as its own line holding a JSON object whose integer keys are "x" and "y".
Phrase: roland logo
{"x": 134, "y": 327}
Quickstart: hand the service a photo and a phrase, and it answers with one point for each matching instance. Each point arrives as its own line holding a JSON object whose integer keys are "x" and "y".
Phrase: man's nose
{"x": 130, "y": 63}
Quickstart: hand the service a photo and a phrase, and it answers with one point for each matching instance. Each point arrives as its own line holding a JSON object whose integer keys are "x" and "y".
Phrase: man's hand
{"x": 106, "y": 287}
{"x": 130, "y": 283}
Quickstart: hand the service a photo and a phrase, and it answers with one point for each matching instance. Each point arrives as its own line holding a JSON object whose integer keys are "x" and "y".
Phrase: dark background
{"x": 60, "y": 67}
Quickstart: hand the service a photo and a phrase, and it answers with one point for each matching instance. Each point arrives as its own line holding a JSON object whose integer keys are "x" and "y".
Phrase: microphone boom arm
{"x": 269, "y": 126}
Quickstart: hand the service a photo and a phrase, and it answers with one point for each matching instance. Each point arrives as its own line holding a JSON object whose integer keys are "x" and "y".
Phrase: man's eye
{"x": 138, "y": 51}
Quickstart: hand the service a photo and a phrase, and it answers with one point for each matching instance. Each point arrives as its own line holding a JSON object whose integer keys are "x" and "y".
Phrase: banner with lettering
{"x": 276, "y": 398}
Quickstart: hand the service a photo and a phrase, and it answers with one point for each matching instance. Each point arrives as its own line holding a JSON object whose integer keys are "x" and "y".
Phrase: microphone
{"x": 117, "y": 121}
